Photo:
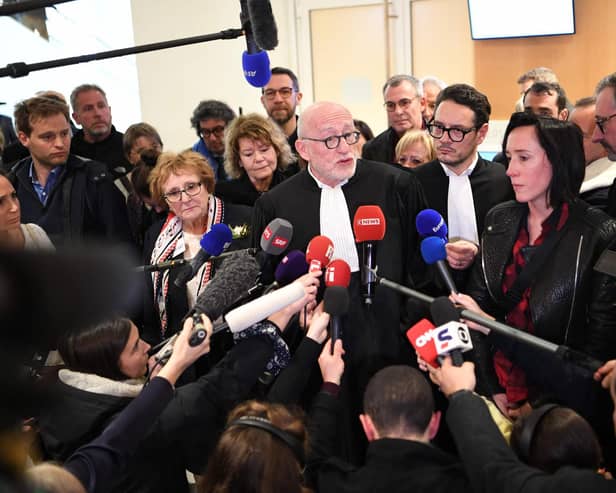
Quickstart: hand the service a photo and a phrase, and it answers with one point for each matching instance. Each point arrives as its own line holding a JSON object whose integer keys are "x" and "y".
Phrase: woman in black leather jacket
{"x": 565, "y": 300}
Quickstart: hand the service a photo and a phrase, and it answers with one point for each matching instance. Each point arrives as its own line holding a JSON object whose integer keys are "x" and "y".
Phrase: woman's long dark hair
{"x": 97, "y": 349}
{"x": 563, "y": 145}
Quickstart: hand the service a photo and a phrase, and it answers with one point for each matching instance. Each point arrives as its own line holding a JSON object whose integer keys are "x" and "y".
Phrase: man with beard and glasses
{"x": 280, "y": 98}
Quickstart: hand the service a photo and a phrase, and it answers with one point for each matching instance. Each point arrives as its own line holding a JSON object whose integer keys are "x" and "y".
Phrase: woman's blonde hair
{"x": 255, "y": 127}
{"x": 412, "y": 137}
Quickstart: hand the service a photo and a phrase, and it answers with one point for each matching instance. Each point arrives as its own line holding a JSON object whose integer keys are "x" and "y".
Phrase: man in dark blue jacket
{"x": 71, "y": 198}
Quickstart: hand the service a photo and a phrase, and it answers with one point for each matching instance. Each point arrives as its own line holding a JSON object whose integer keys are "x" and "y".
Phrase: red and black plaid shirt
{"x": 511, "y": 377}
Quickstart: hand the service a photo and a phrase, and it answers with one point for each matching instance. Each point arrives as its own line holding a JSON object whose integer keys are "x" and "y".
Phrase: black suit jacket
{"x": 489, "y": 183}
{"x": 382, "y": 148}
{"x": 611, "y": 200}
{"x": 490, "y": 186}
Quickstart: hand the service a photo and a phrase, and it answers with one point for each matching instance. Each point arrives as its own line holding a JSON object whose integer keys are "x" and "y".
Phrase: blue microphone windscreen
{"x": 256, "y": 68}
{"x": 433, "y": 249}
{"x": 216, "y": 239}
{"x": 430, "y": 223}
{"x": 292, "y": 266}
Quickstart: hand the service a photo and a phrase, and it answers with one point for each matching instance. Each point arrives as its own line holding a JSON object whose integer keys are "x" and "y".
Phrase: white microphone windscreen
{"x": 246, "y": 315}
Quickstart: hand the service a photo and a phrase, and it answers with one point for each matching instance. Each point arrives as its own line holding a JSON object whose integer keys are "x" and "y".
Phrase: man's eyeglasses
{"x": 285, "y": 92}
{"x": 218, "y": 131}
{"x": 333, "y": 141}
{"x": 404, "y": 103}
{"x": 190, "y": 189}
{"x": 601, "y": 122}
{"x": 455, "y": 134}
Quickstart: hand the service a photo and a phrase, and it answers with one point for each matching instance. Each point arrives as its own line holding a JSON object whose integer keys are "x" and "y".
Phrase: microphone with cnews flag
{"x": 369, "y": 228}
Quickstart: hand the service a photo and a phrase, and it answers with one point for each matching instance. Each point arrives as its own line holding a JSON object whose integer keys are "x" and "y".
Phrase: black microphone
{"x": 217, "y": 239}
{"x": 263, "y": 24}
{"x": 255, "y": 62}
{"x": 274, "y": 241}
{"x": 368, "y": 227}
{"x": 336, "y": 303}
{"x": 171, "y": 264}
{"x": 235, "y": 276}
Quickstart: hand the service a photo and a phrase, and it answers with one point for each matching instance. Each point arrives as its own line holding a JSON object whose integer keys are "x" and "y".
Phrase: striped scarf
{"x": 170, "y": 245}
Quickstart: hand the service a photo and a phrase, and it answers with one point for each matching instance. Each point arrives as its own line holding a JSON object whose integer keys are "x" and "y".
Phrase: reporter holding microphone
{"x": 105, "y": 369}
{"x": 95, "y": 464}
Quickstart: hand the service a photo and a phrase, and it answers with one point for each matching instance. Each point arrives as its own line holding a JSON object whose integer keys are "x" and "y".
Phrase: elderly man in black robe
{"x": 322, "y": 200}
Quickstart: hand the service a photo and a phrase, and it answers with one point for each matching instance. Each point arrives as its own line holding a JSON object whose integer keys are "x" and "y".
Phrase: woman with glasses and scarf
{"x": 185, "y": 182}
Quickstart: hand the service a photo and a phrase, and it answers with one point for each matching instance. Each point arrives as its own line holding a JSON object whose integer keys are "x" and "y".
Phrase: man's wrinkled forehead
{"x": 333, "y": 122}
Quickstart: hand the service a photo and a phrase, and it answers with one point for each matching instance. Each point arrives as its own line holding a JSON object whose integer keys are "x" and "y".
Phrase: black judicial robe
{"x": 489, "y": 184}
{"x": 371, "y": 336}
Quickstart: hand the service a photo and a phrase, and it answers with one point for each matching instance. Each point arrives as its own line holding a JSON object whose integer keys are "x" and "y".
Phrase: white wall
{"x": 75, "y": 28}
{"x": 173, "y": 81}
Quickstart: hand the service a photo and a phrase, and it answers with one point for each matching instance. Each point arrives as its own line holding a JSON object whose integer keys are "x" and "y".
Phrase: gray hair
{"x": 84, "y": 88}
{"x": 396, "y": 80}
{"x": 431, "y": 79}
{"x": 607, "y": 81}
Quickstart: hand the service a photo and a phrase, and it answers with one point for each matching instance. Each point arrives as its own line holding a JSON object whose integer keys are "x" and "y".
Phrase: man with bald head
{"x": 322, "y": 200}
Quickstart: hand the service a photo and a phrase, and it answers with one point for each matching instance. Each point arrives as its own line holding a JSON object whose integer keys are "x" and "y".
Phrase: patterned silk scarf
{"x": 170, "y": 245}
